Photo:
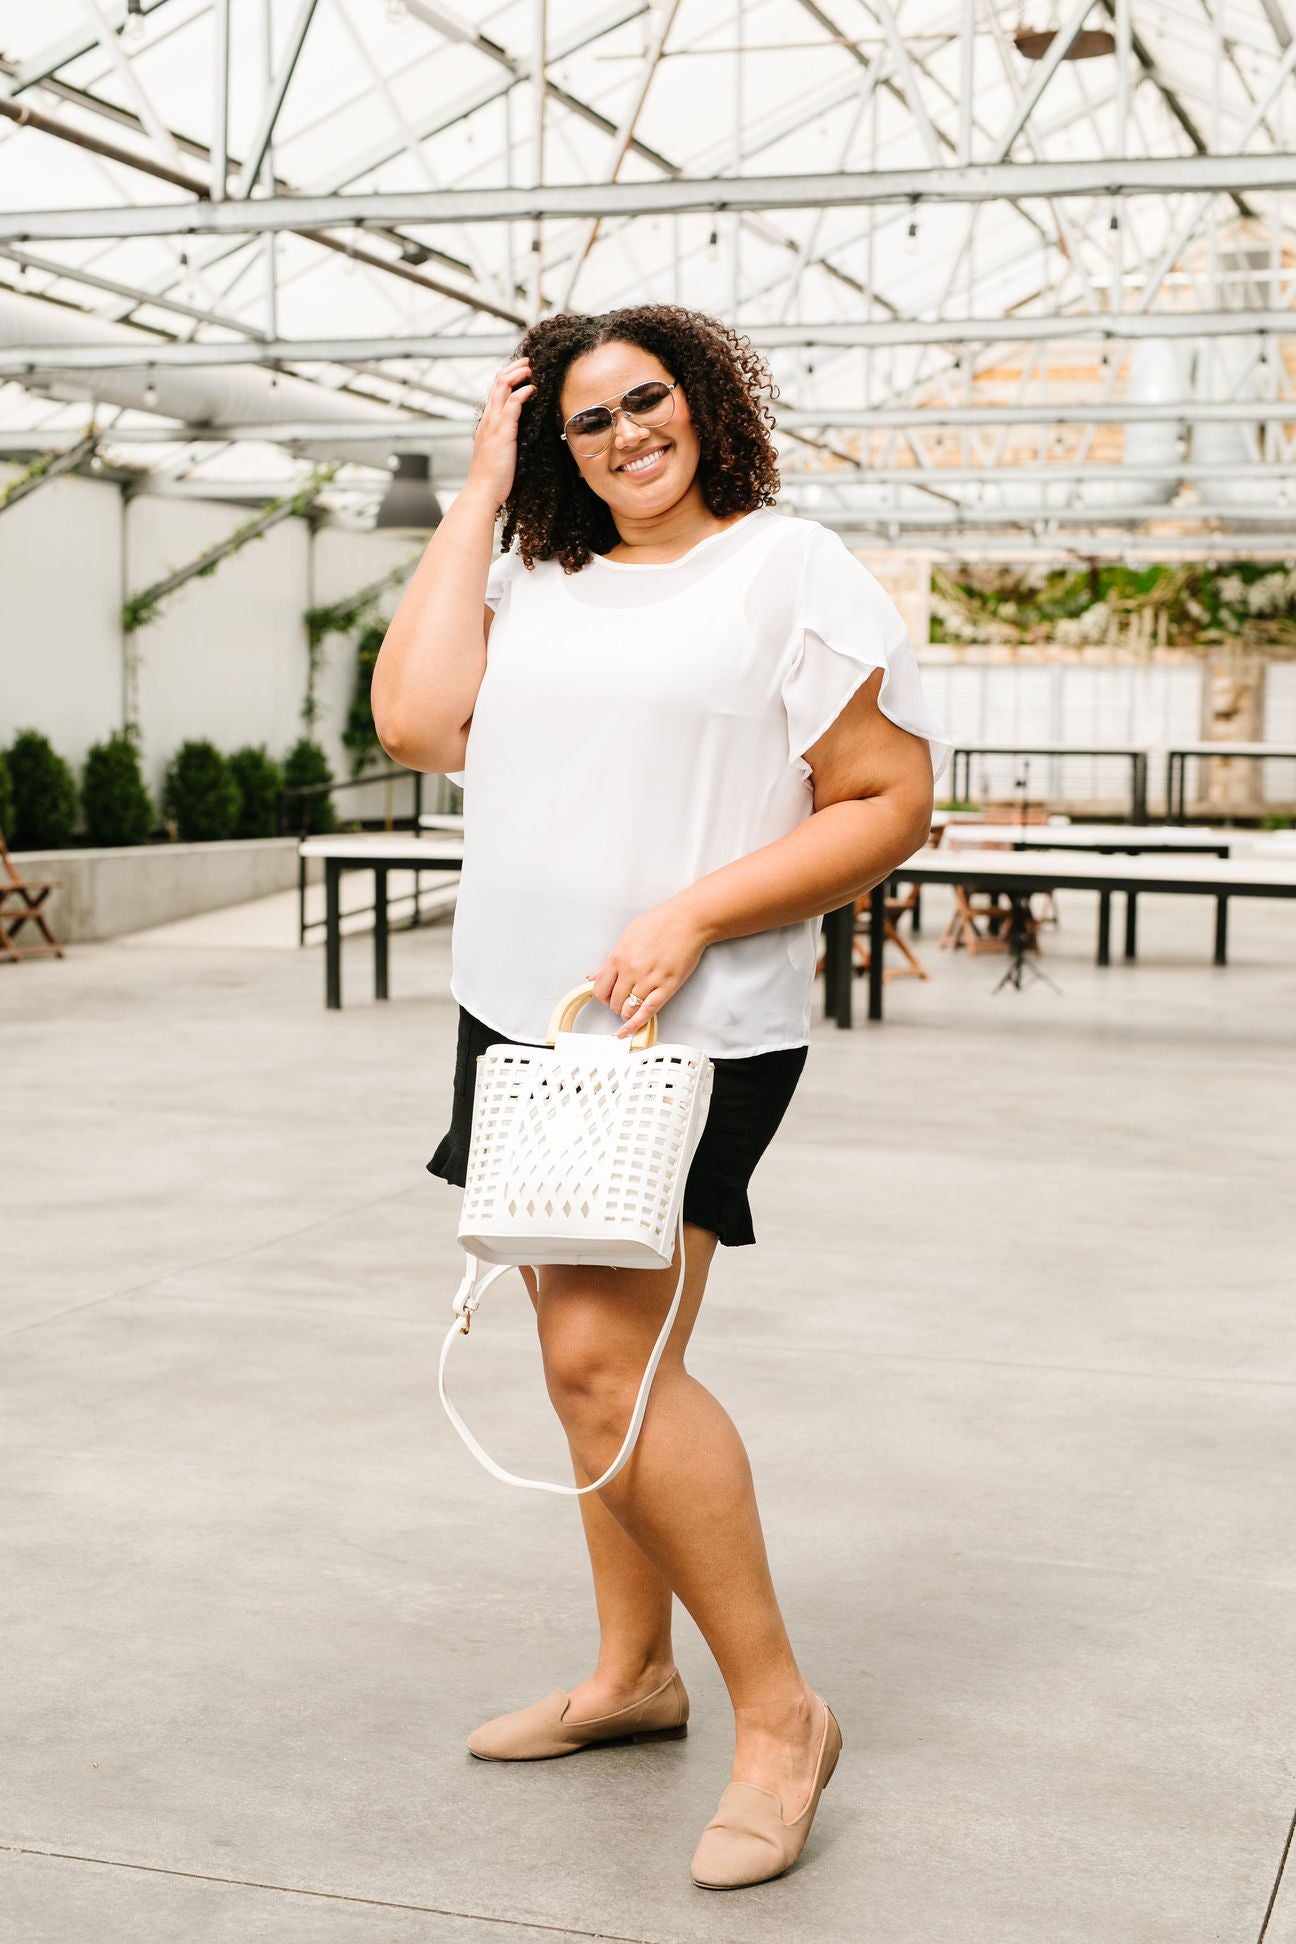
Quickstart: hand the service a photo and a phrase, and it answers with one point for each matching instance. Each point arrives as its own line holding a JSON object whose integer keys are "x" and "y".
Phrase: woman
{"x": 700, "y": 727}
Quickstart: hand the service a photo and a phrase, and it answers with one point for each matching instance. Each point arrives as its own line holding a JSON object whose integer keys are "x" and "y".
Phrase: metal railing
{"x": 293, "y": 819}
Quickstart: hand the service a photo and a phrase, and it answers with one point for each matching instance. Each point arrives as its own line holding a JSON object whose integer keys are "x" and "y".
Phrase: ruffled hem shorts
{"x": 749, "y": 1098}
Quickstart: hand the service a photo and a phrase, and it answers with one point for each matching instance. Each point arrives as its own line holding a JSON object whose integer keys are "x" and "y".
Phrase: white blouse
{"x": 638, "y": 726}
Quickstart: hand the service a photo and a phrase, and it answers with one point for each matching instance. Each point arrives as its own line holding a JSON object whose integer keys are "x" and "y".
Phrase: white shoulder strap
{"x": 470, "y": 1293}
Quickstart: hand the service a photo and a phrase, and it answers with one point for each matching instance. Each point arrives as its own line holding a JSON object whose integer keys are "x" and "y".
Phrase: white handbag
{"x": 579, "y": 1153}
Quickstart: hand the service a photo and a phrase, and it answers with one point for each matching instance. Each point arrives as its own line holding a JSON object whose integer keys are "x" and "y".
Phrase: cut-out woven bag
{"x": 579, "y": 1152}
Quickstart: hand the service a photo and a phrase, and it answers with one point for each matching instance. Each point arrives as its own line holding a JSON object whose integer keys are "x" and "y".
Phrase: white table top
{"x": 441, "y": 820}
{"x": 1087, "y": 836}
{"x": 383, "y": 847}
{"x": 1118, "y": 873}
{"x": 1233, "y": 749}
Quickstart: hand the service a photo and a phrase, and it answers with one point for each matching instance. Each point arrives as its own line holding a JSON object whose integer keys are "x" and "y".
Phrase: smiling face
{"x": 638, "y": 496}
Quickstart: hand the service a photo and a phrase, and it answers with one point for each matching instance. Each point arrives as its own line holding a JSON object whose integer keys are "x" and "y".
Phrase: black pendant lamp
{"x": 409, "y": 504}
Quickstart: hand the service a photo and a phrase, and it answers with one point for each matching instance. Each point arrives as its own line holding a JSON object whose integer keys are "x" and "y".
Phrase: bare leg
{"x": 633, "y": 1602}
{"x": 686, "y": 1497}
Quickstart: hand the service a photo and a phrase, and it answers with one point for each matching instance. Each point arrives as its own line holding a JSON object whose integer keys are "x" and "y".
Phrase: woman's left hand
{"x": 652, "y": 958}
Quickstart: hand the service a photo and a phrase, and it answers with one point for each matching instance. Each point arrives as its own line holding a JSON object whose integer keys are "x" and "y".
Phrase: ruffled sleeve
{"x": 847, "y": 626}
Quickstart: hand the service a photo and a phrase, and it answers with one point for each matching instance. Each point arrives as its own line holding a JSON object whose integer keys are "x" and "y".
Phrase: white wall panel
{"x": 60, "y": 639}
{"x": 226, "y": 659}
{"x": 1057, "y": 702}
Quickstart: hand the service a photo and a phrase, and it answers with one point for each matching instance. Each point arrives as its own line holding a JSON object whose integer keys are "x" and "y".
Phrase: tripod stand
{"x": 1022, "y": 963}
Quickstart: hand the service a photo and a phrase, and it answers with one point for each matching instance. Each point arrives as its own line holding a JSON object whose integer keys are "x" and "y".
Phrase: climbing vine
{"x": 142, "y": 609}
{"x": 27, "y": 477}
{"x": 341, "y": 618}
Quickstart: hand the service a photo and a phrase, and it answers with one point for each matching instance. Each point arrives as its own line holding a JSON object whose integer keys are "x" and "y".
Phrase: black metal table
{"x": 1018, "y": 874}
{"x": 379, "y": 854}
{"x": 961, "y": 767}
{"x": 1109, "y": 840}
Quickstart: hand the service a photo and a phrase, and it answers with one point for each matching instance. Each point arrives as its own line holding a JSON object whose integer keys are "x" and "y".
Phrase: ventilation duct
{"x": 217, "y": 395}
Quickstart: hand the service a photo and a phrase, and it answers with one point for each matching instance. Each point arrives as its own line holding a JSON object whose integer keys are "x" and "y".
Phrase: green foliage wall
{"x": 1187, "y": 605}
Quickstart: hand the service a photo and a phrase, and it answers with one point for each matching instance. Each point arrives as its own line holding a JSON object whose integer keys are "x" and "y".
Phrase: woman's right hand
{"x": 494, "y": 453}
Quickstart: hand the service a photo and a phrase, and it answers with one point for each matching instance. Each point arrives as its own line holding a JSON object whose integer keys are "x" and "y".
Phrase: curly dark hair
{"x": 552, "y": 511}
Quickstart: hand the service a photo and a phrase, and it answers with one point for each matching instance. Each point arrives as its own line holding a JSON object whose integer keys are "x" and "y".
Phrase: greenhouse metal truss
{"x": 1024, "y": 274}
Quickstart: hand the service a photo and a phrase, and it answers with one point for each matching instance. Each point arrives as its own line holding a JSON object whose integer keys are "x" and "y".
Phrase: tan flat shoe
{"x": 534, "y": 1734}
{"x": 747, "y": 1840}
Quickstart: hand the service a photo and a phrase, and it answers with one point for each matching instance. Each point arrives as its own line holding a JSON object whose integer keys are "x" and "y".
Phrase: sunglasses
{"x": 590, "y": 432}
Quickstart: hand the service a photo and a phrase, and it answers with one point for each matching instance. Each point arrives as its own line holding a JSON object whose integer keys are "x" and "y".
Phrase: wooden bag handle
{"x": 563, "y": 1017}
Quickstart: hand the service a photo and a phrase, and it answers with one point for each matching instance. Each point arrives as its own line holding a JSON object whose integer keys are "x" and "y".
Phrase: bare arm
{"x": 433, "y": 656}
{"x": 873, "y": 805}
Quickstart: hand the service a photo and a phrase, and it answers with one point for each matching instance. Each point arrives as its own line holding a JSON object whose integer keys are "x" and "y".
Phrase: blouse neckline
{"x": 638, "y": 566}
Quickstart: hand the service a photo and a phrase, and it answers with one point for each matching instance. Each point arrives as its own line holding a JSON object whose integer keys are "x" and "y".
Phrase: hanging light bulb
{"x": 911, "y": 235}
{"x": 134, "y": 29}
{"x": 712, "y": 242}
{"x": 396, "y": 12}
{"x": 150, "y": 392}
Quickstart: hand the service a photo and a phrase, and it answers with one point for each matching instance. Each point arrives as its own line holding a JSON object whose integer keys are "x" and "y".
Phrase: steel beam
{"x": 1057, "y": 53}
{"x": 70, "y": 47}
{"x": 480, "y": 347}
{"x": 988, "y": 182}
{"x": 220, "y": 102}
{"x": 275, "y": 100}
{"x": 400, "y": 434}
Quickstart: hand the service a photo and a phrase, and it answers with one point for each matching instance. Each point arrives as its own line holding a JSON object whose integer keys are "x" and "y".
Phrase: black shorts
{"x": 749, "y": 1097}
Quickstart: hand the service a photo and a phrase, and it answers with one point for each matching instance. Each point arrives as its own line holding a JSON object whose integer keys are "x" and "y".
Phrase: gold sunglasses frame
{"x": 615, "y": 408}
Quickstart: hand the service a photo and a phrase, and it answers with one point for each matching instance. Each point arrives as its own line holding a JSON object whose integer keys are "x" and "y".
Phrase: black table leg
{"x": 1131, "y": 924}
{"x": 332, "y": 932}
{"x": 380, "y": 931}
{"x": 877, "y": 945}
{"x": 1138, "y": 806}
{"x": 915, "y": 920}
{"x": 1104, "y": 928}
{"x": 1221, "y": 931}
{"x": 839, "y": 928}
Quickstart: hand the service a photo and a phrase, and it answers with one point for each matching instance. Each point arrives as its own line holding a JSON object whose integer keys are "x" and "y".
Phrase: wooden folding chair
{"x": 861, "y": 953}
{"x": 20, "y": 904}
{"x": 980, "y": 920}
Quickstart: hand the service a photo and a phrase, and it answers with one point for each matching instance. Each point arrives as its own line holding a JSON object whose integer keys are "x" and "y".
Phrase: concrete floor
{"x": 1015, "y": 1357}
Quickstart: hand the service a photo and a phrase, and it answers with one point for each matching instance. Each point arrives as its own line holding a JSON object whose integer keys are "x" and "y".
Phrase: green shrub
{"x": 304, "y": 766}
{"x": 360, "y": 738}
{"x": 259, "y": 780}
{"x": 1276, "y": 820}
{"x": 44, "y": 795}
{"x": 6, "y": 800}
{"x": 116, "y": 803}
{"x": 200, "y": 793}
